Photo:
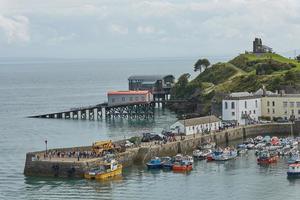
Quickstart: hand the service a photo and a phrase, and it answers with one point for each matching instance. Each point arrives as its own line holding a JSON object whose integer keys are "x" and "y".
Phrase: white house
{"x": 127, "y": 97}
{"x": 196, "y": 125}
{"x": 241, "y": 107}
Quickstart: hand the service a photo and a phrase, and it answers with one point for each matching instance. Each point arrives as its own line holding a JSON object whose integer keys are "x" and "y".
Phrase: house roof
{"x": 148, "y": 77}
{"x": 129, "y": 92}
{"x": 199, "y": 120}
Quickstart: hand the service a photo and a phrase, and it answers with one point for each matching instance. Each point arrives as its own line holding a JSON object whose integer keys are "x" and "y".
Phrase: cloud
{"x": 118, "y": 29}
{"x": 148, "y": 30}
{"x": 62, "y": 38}
{"x": 16, "y": 28}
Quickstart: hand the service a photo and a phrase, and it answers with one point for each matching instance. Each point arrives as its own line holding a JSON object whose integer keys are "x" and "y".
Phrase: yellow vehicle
{"x": 100, "y": 146}
{"x": 105, "y": 171}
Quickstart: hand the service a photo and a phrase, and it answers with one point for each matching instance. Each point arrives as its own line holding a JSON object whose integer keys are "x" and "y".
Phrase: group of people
{"x": 69, "y": 154}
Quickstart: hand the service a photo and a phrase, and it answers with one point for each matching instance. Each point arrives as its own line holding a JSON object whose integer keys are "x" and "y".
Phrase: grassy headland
{"x": 246, "y": 72}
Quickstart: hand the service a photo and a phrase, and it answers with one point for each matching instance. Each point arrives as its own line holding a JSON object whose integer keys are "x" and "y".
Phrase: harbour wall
{"x": 142, "y": 154}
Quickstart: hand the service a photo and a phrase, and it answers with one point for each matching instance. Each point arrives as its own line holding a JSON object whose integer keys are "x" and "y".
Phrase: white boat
{"x": 201, "y": 154}
{"x": 294, "y": 171}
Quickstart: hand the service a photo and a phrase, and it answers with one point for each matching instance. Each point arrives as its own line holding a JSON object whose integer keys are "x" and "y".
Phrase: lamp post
{"x": 46, "y": 142}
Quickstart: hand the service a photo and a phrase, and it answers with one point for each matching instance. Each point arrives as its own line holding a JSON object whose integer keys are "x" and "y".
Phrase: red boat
{"x": 267, "y": 157}
{"x": 182, "y": 166}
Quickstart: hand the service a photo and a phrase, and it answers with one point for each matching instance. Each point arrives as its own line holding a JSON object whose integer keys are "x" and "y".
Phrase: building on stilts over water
{"x": 159, "y": 85}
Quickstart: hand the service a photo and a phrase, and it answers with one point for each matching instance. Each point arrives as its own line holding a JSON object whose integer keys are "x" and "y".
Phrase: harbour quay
{"x": 37, "y": 164}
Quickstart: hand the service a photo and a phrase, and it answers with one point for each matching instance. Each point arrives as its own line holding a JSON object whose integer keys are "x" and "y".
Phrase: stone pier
{"x": 74, "y": 168}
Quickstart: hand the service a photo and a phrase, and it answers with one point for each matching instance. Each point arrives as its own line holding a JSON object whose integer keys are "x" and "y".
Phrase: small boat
{"x": 154, "y": 163}
{"x": 267, "y": 157}
{"x": 242, "y": 151}
{"x": 167, "y": 163}
{"x": 274, "y": 141}
{"x": 105, "y": 171}
{"x": 227, "y": 154}
{"x": 201, "y": 154}
{"x": 294, "y": 171}
{"x": 250, "y": 146}
{"x": 294, "y": 158}
{"x": 184, "y": 165}
{"x": 258, "y": 138}
{"x": 178, "y": 158}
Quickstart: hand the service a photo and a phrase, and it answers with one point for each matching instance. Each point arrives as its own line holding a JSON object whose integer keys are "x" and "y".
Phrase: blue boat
{"x": 294, "y": 171}
{"x": 167, "y": 163}
{"x": 154, "y": 163}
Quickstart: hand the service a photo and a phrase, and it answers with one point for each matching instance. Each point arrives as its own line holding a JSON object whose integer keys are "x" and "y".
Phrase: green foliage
{"x": 216, "y": 74}
{"x": 200, "y": 64}
{"x": 265, "y": 67}
{"x": 183, "y": 88}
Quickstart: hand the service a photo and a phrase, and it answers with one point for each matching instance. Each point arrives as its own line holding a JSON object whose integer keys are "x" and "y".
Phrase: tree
{"x": 183, "y": 80}
{"x": 298, "y": 58}
{"x": 200, "y": 64}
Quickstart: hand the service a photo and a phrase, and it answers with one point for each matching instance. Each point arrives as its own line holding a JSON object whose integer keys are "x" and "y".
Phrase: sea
{"x": 39, "y": 86}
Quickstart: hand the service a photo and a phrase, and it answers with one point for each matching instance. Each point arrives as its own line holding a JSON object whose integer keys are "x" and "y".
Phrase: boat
{"x": 201, "y": 154}
{"x": 167, "y": 163}
{"x": 294, "y": 171}
{"x": 294, "y": 158}
{"x": 267, "y": 157}
{"x": 189, "y": 159}
{"x": 178, "y": 158}
{"x": 214, "y": 154}
{"x": 182, "y": 166}
{"x": 105, "y": 171}
{"x": 154, "y": 163}
{"x": 227, "y": 154}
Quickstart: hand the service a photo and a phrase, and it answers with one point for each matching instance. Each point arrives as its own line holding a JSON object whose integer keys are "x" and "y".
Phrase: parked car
{"x": 148, "y": 137}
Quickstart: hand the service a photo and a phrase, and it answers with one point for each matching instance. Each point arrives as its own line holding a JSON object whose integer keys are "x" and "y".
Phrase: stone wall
{"x": 143, "y": 154}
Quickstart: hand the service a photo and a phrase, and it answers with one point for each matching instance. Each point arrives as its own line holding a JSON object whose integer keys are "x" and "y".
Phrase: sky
{"x": 142, "y": 29}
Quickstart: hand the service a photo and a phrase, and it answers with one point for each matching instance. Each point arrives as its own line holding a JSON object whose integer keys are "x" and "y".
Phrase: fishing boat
{"x": 201, "y": 154}
{"x": 267, "y": 157}
{"x": 227, "y": 154}
{"x": 182, "y": 166}
{"x": 216, "y": 153}
{"x": 189, "y": 159}
{"x": 105, "y": 171}
{"x": 154, "y": 163}
{"x": 294, "y": 171}
{"x": 167, "y": 163}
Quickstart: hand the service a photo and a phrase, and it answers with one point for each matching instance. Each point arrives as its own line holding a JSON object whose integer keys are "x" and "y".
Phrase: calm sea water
{"x": 28, "y": 88}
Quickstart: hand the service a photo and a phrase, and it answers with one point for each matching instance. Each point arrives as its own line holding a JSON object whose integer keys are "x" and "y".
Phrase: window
{"x": 250, "y": 112}
{"x": 123, "y": 99}
{"x": 273, "y": 111}
{"x": 232, "y": 105}
{"x": 256, "y": 105}
{"x": 268, "y": 110}
{"x": 298, "y": 104}
{"x": 292, "y": 104}
{"x": 143, "y": 98}
{"x": 268, "y": 103}
{"x": 233, "y": 113}
{"x": 226, "y": 105}
{"x": 245, "y": 104}
{"x": 285, "y": 104}
{"x": 113, "y": 100}
{"x": 253, "y": 111}
{"x": 130, "y": 98}
{"x": 136, "y": 98}
{"x": 273, "y": 103}
{"x": 298, "y": 112}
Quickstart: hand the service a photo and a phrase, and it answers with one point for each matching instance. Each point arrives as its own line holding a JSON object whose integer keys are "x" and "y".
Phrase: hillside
{"x": 246, "y": 72}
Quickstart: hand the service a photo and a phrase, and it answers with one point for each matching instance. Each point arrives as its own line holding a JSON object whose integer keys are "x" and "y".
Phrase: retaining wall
{"x": 143, "y": 154}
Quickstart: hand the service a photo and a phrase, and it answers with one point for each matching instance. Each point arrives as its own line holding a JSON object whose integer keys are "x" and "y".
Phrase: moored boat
{"x": 167, "y": 163}
{"x": 201, "y": 154}
{"x": 294, "y": 171}
{"x": 154, "y": 163}
{"x": 267, "y": 157}
{"x": 227, "y": 154}
{"x": 182, "y": 166}
{"x": 105, "y": 171}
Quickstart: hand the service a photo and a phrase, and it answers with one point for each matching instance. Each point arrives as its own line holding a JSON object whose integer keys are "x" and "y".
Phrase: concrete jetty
{"x": 71, "y": 167}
